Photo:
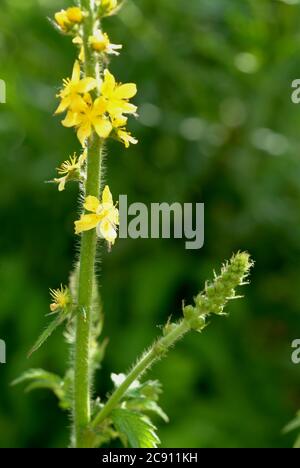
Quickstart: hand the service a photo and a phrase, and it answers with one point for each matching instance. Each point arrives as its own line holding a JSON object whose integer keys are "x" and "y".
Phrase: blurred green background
{"x": 216, "y": 125}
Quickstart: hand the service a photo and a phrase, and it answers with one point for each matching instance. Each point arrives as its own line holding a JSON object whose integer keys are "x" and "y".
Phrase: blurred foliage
{"x": 216, "y": 125}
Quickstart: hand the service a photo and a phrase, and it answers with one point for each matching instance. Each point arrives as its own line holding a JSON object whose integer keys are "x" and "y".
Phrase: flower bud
{"x": 107, "y": 7}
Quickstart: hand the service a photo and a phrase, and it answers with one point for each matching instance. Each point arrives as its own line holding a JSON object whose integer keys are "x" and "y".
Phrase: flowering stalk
{"x": 211, "y": 301}
{"x": 82, "y": 404}
{"x": 95, "y": 106}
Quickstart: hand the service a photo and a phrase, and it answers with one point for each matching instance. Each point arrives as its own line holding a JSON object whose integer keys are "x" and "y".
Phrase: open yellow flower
{"x": 100, "y": 43}
{"x": 122, "y": 134}
{"x": 103, "y": 215}
{"x": 66, "y": 19}
{"x": 73, "y": 88}
{"x": 117, "y": 96}
{"x": 91, "y": 117}
{"x": 70, "y": 170}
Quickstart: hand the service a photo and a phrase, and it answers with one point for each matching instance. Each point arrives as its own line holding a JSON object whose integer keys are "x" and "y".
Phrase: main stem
{"x": 82, "y": 404}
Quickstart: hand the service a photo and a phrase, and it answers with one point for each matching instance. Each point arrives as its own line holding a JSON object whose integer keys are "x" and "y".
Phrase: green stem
{"x": 158, "y": 350}
{"x": 82, "y": 405}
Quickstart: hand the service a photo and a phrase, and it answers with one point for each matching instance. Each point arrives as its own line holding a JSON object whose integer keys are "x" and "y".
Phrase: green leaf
{"x": 60, "y": 318}
{"x": 145, "y": 405}
{"x": 39, "y": 378}
{"x": 142, "y": 397}
{"x": 137, "y": 428}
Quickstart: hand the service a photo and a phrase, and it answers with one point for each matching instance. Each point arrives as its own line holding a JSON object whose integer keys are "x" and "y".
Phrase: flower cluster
{"x": 93, "y": 106}
{"x": 99, "y": 106}
{"x": 105, "y": 115}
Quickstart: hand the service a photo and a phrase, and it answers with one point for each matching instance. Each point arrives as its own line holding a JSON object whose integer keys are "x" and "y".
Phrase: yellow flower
{"x": 100, "y": 43}
{"x": 117, "y": 96}
{"x": 70, "y": 170}
{"x": 66, "y": 19}
{"x": 121, "y": 132}
{"x": 91, "y": 116}
{"x": 108, "y": 7}
{"x": 61, "y": 299}
{"x": 73, "y": 88}
{"x": 104, "y": 216}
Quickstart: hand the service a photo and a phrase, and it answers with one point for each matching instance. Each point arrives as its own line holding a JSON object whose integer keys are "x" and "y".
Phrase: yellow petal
{"x": 107, "y": 196}
{"x": 120, "y": 121}
{"x": 62, "y": 184}
{"x": 113, "y": 216}
{"x": 63, "y": 106}
{"x": 125, "y": 91}
{"x": 87, "y": 222}
{"x": 86, "y": 85}
{"x": 126, "y": 138}
{"x": 100, "y": 106}
{"x": 91, "y": 204}
{"x": 62, "y": 19}
{"x": 77, "y": 103}
{"x": 103, "y": 127}
{"x": 107, "y": 231}
{"x": 72, "y": 119}
{"x": 108, "y": 85}
{"x": 84, "y": 132}
{"x": 61, "y": 181}
{"x": 117, "y": 108}
{"x": 81, "y": 55}
{"x": 74, "y": 14}
{"x": 76, "y": 71}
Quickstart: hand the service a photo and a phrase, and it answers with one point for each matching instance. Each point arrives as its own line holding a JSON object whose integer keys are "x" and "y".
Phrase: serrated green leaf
{"x": 59, "y": 319}
{"x": 137, "y": 428}
{"x": 145, "y": 405}
{"x": 37, "y": 374}
{"x": 150, "y": 389}
{"x": 142, "y": 397}
{"x": 39, "y": 378}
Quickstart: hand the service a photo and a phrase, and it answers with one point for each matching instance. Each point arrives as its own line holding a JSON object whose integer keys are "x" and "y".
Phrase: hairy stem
{"x": 158, "y": 349}
{"x": 82, "y": 405}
